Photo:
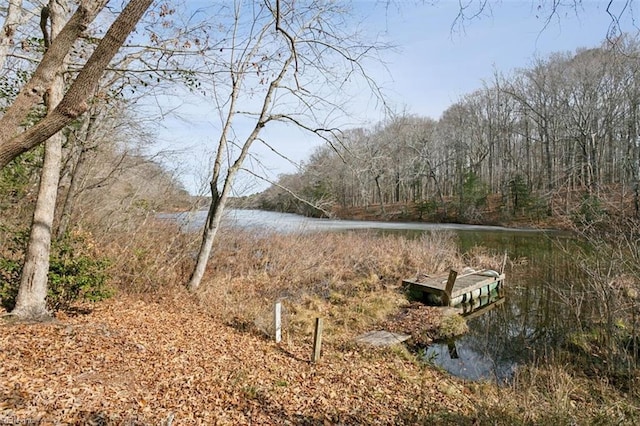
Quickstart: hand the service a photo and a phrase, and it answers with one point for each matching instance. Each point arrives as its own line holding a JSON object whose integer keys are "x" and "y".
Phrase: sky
{"x": 436, "y": 61}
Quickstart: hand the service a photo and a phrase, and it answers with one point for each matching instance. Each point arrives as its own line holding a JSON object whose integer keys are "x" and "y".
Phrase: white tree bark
{"x": 31, "y": 300}
{"x": 11, "y": 22}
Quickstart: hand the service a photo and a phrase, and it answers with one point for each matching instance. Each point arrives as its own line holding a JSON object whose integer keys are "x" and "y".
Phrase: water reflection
{"x": 533, "y": 321}
{"x": 532, "y": 318}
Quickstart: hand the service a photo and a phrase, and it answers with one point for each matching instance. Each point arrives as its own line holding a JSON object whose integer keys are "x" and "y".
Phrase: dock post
{"x": 317, "y": 341}
{"x": 449, "y": 287}
{"x": 504, "y": 263}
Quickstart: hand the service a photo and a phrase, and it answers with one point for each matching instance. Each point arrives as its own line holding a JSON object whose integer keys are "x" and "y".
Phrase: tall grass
{"x": 352, "y": 278}
{"x": 153, "y": 257}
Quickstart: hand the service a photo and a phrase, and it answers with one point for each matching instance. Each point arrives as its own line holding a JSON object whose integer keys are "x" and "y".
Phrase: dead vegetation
{"x": 352, "y": 279}
{"x": 135, "y": 362}
{"x": 156, "y": 354}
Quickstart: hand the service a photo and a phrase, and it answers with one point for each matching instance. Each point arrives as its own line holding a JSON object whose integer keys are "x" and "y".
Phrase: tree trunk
{"x": 33, "y": 91}
{"x": 219, "y": 198}
{"x": 8, "y": 31}
{"x": 76, "y": 168}
{"x": 31, "y": 300}
{"x": 379, "y": 192}
{"x": 212, "y": 224}
{"x": 74, "y": 102}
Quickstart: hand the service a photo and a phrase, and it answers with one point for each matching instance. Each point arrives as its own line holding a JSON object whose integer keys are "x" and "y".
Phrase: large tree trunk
{"x": 379, "y": 192}
{"x": 74, "y": 102}
{"x": 31, "y": 300}
{"x": 34, "y": 90}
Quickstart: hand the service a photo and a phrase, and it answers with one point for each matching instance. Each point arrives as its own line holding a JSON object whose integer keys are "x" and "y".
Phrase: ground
{"x": 169, "y": 361}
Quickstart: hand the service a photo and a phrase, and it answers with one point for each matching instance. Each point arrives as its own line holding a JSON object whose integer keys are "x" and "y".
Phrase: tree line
{"x": 565, "y": 125}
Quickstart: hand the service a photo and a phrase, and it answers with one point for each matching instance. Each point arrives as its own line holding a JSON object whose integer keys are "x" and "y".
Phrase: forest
{"x": 553, "y": 139}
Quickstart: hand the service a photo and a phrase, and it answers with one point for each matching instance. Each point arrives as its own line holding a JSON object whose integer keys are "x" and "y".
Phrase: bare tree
{"x": 285, "y": 61}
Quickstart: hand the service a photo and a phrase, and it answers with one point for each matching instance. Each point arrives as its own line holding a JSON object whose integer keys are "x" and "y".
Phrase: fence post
{"x": 317, "y": 341}
{"x": 449, "y": 287}
{"x": 277, "y": 320}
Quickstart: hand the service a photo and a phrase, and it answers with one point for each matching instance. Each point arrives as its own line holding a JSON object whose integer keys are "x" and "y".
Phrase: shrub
{"x": 591, "y": 212}
{"x": 76, "y": 271}
{"x": 17, "y": 178}
{"x": 426, "y": 209}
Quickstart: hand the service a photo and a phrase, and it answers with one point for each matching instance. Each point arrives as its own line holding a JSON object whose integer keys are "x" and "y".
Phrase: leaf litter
{"x": 128, "y": 361}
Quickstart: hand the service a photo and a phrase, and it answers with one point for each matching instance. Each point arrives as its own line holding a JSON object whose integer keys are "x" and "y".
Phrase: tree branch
{"x": 75, "y": 100}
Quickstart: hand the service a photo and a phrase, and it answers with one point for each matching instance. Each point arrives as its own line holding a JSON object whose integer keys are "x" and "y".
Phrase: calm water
{"x": 525, "y": 324}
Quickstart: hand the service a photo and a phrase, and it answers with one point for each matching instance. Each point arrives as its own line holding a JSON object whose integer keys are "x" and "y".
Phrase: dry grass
{"x": 350, "y": 278}
{"x": 554, "y": 394}
{"x": 149, "y": 258}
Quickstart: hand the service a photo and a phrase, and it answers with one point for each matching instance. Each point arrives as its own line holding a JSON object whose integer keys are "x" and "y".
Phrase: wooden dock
{"x": 454, "y": 289}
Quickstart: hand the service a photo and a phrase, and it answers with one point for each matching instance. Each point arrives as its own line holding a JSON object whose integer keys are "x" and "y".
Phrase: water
{"x": 530, "y": 321}
{"x": 286, "y": 222}
{"x": 527, "y": 321}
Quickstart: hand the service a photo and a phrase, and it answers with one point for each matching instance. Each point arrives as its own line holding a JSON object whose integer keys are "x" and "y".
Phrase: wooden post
{"x": 504, "y": 263}
{"x": 317, "y": 341}
{"x": 277, "y": 320}
{"x": 449, "y": 287}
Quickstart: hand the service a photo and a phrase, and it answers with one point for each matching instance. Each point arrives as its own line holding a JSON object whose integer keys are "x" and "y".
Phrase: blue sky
{"x": 435, "y": 64}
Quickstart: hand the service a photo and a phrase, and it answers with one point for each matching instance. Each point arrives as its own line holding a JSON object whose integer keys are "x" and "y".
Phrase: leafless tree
{"x": 284, "y": 61}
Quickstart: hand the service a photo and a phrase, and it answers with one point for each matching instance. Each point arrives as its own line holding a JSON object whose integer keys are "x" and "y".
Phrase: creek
{"x": 527, "y": 324}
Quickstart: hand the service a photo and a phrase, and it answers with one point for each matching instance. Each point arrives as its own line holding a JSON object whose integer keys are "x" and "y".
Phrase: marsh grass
{"x": 352, "y": 279}
{"x": 557, "y": 394}
{"x": 452, "y": 325}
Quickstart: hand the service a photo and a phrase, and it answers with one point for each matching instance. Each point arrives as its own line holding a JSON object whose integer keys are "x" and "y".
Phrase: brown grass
{"x": 350, "y": 278}
{"x": 554, "y": 394}
{"x": 148, "y": 258}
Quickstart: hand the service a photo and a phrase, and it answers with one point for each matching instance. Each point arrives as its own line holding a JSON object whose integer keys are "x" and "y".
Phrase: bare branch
{"x": 290, "y": 192}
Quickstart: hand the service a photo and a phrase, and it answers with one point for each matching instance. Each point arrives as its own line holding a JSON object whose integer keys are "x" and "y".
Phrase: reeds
{"x": 351, "y": 278}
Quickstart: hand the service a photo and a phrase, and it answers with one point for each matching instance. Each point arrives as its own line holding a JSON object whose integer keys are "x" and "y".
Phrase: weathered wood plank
{"x": 277, "y": 321}
{"x": 451, "y": 281}
{"x": 467, "y": 286}
{"x": 317, "y": 341}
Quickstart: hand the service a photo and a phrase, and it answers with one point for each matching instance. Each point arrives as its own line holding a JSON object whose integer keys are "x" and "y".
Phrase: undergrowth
{"x": 352, "y": 279}
{"x": 77, "y": 270}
